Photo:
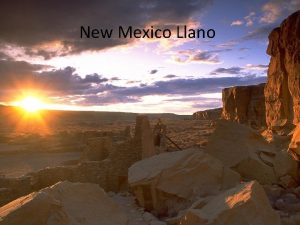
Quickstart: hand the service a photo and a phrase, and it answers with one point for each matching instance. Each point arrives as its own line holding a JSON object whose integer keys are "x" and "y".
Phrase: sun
{"x": 31, "y": 104}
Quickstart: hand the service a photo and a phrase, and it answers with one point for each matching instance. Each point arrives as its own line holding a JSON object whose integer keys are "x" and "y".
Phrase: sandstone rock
{"x": 287, "y": 181}
{"x": 210, "y": 114}
{"x": 245, "y": 204}
{"x": 246, "y": 151}
{"x": 244, "y": 104}
{"x": 66, "y": 204}
{"x": 282, "y": 91}
{"x": 143, "y": 136}
{"x": 294, "y": 146}
{"x": 169, "y": 182}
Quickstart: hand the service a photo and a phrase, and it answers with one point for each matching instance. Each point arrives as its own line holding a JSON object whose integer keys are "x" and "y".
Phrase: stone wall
{"x": 104, "y": 162}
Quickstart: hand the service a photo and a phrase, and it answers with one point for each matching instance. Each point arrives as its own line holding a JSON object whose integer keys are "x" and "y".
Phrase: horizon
{"x": 42, "y": 54}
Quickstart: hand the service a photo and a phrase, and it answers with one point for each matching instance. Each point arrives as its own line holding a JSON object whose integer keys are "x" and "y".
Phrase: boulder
{"x": 169, "y": 182}
{"x": 282, "y": 91}
{"x": 210, "y": 114}
{"x": 244, "y": 104}
{"x": 244, "y": 150}
{"x": 244, "y": 204}
{"x": 64, "y": 203}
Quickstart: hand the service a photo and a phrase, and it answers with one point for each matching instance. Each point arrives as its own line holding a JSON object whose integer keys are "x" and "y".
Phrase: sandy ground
{"x": 15, "y": 165}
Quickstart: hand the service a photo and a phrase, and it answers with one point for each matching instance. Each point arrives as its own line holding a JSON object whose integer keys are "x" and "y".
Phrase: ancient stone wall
{"x": 104, "y": 162}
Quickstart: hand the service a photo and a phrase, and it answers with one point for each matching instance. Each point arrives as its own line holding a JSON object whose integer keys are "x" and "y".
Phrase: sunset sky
{"x": 41, "y": 53}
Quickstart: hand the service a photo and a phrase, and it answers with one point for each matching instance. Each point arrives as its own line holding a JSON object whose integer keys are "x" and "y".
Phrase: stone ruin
{"x": 104, "y": 162}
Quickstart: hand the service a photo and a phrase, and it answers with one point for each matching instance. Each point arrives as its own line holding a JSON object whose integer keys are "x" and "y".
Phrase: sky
{"x": 42, "y": 54}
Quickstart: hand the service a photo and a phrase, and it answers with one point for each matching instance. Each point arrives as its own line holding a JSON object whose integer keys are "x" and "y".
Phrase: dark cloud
{"x": 17, "y": 73}
{"x": 4, "y": 56}
{"x": 174, "y": 87}
{"x": 170, "y": 76}
{"x": 259, "y": 33}
{"x": 21, "y": 74}
{"x": 206, "y": 57}
{"x": 93, "y": 90}
{"x": 245, "y": 71}
{"x": 199, "y": 102}
{"x": 188, "y": 86}
{"x": 34, "y": 23}
{"x": 153, "y": 71}
{"x": 231, "y": 70}
{"x": 94, "y": 78}
{"x": 257, "y": 67}
{"x": 115, "y": 79}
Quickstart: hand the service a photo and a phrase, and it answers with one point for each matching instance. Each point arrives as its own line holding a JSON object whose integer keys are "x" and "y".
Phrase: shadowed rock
{"x": 244, "y": 204}
{"x": 282, "y": 91}
{"x": 169, "y": 182}
{"x": 244, "y": 104}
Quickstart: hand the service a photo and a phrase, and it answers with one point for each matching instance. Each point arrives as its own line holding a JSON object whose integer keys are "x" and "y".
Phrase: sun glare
{"x": 31, "y": 104}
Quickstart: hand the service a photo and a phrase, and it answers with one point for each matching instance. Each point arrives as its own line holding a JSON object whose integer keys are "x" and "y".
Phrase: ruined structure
{"x": 282, "y": 91}
{"x": 244, "y": 104}
{"x": 160, "y": 138}
{"x": 104, "y": 162}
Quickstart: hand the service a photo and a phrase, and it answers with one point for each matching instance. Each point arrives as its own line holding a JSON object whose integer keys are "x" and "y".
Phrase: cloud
{"x": 250, "y": 19}
{"x": 259, "y": 33}
{"x": 198, "y": 102}
{"x": 206, "y": 57}
{"x": 94, "y": 78}
{"x": 17, "y": 75}
{"x": 197, "y": 56}
{"x": 170, "y": 76}
{"x": 245, "y": 71}
{"x": 231, "y": 70}
{"x": 153, "y": 71}
{"x": 247, "y": 20}
{"x": 115, "y": 79}
{"x": 272, "y": 12}
{"x": 256, "y": 67}
{"x": 276, "y": 9}
{"x": 4, "y": 56}
{"x": 188, "y": 86}
{"x": 237, "y": 23}
{"x": 66, "y": 86}
{"x": 50, "y": 28}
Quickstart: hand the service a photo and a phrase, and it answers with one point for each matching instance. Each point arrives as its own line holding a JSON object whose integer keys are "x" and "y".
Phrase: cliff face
{"x": 244, "y": 104}
{"x": 282, "y": 91}
{"x": 210, "y": 114}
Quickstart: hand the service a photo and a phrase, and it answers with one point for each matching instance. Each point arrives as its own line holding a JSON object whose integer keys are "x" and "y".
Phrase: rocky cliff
{"x": 244, "y": 104}
{"x": 210, "y": 114}
{"x": 282, "y": 91}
